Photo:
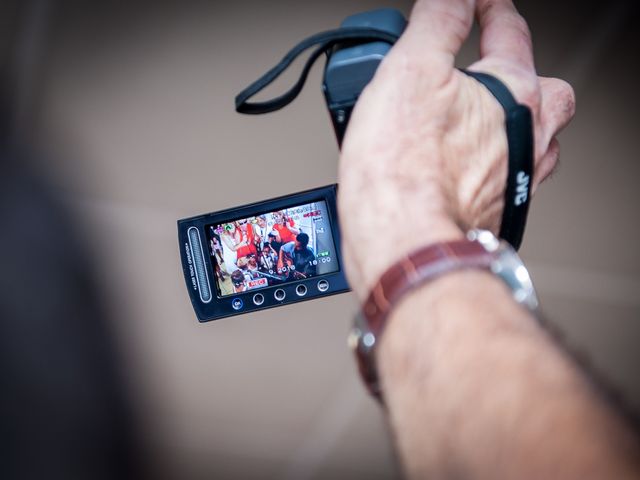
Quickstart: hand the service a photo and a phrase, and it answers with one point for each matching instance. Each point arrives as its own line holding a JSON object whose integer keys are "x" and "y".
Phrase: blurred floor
{"x": 134, "y": 106}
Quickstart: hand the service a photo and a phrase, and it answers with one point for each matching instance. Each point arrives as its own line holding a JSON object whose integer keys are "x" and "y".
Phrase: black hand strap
{"x": 326, "y": 41}
{"x": 518, "y": 120}
{"x": 519, "y": 125}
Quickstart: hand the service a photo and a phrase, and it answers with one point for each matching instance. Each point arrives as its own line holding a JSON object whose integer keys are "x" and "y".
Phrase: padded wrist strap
{"x": 519, "y": 125}
{"x": 518, "y": 119}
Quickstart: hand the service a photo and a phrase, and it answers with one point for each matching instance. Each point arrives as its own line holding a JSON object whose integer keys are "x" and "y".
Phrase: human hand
{"x": 425, "y": 155}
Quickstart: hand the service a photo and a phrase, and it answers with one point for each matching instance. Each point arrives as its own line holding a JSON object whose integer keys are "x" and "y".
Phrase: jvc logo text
{"x": 522, "y": 190}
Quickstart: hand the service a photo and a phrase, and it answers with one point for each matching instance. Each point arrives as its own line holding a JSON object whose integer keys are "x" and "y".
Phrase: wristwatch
{"x": 480, "y": 250}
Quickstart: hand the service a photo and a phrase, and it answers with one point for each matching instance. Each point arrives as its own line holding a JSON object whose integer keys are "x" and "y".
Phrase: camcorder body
{"x": 350, "y": 68}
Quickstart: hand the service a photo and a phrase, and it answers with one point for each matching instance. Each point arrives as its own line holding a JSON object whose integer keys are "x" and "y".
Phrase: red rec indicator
{"x": 313, "y": 213}
{"x": 260, "y": 282}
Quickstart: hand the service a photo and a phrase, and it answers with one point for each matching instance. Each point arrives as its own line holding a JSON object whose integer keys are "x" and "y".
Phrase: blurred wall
{"x": 132, "y": 102}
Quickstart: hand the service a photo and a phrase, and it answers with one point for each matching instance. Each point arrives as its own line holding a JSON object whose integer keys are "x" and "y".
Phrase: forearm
{"x": 476, "y": 389}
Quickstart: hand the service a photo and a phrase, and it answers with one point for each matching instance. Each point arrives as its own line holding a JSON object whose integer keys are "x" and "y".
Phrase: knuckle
{"x": 568, "y": 97}
{"x": 558, "y": 104}
{"x": 520, "y": 38}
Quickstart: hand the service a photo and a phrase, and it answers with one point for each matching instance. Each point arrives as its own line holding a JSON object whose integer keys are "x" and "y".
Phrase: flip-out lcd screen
{"x": 272, "y": 248}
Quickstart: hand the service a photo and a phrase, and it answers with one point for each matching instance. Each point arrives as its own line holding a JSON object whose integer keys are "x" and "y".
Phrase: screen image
{"x": 272, "y": 248}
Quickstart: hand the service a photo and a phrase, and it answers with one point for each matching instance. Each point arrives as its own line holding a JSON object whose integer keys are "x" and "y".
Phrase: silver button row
{"x": 280, "y": 294}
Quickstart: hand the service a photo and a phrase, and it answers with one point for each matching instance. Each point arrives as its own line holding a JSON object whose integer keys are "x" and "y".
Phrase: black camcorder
{"x": 285, "y": 250}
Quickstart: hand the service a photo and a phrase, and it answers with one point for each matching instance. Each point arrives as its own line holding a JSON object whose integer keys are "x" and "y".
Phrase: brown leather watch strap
{"x": 416, "y": 269}
{"x": 409, "y": 273}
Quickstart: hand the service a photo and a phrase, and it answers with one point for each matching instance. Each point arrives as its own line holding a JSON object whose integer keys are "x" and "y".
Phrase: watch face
{"x": 509, "y": 267}
{"x": 485, "y": 238}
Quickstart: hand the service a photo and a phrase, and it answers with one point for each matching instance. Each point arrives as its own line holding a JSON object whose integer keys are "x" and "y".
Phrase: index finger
{"x": 504, "y": 33}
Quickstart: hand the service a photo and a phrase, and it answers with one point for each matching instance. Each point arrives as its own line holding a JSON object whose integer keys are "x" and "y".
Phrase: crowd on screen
{"x": 260, "y": 251}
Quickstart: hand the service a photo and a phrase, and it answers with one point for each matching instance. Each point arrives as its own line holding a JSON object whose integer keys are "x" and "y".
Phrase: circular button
{"x": 323, "y": 285}
{"x": 279, "y": 294}
{"x": 301, "y": 290}
{"x": 258, "y": 299}
{"x": 237, "y": 303}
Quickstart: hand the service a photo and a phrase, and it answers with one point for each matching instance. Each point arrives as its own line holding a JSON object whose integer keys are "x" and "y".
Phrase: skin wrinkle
{"x": 519, "y": 43}
{"x": 494, "y": 23}
{"x": 490, "y": 216}
{"x": 457, "y": 24}
{"x": 472, "y": 185}
{"x": 455, "y": 17}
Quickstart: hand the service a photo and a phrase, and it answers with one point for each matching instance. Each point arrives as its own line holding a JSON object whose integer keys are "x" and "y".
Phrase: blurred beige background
{"x": 132, "y": 102}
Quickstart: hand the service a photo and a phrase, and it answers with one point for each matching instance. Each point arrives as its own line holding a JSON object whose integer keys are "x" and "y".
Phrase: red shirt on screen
{"x": 286, "y": 235}
{"x": 248, "y": 249}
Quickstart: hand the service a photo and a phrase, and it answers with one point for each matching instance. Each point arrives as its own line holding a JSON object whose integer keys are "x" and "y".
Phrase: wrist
{"x": 392, "y": 202}
{"x": 375, "y": 258}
